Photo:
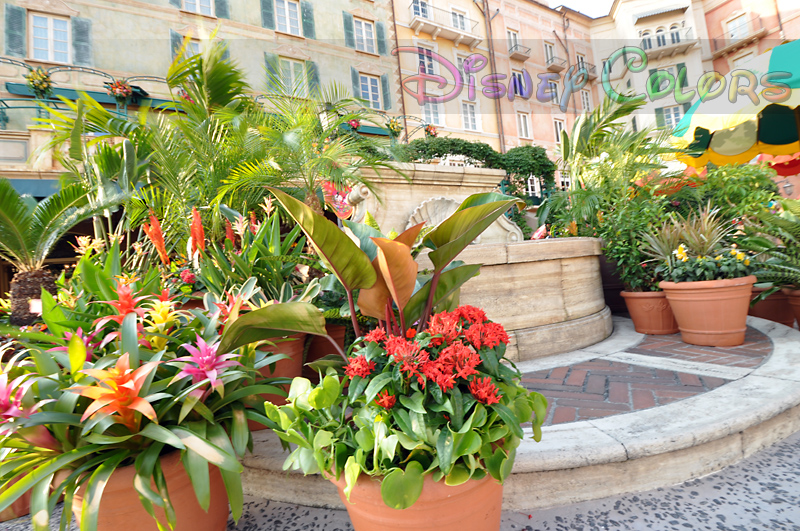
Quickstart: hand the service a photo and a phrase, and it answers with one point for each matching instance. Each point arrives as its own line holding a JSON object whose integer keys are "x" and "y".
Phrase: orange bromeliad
{"x": 125, "y": 304}
{"x": 153, "y": 231}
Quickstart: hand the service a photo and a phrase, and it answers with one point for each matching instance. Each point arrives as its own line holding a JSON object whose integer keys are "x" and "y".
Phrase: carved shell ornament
{"x": 433, "y": 211}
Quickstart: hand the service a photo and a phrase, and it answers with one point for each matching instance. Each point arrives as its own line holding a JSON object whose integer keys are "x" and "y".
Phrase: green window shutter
{"x": 684, "y": 80}
{"x": 651, "y": 81}
{"x": 660, "y": 117}
{"x": 81, "y": 41}
{"x": 16, "y": 19}
{"x": 176, "y": 3}
{"x": 268, "y": 14}
{"x": 355, "y": 77}
{"x": 349, "y": 30}
{"x": 221, "y": 9}
{"x": 272, "y": 63}
{"x": 687, "y": 106}
{"x": 386, "y": 92}
{"x": 175, "y": 42}
{"x": 380, "y": 34}
{"x": 307, "y": 17}
{"x": 313, "y": 77}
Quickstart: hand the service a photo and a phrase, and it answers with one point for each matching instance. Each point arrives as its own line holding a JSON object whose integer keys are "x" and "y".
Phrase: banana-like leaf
{"x": 449, "y": 282}
{"x": 372, "y": 301}
{"x": 365, "y": 233}
{"x": 409, "y": 236}
{"x": 273, "y": 321}
{"x": 398, "y": 269}
{"x": 342, "y": 256}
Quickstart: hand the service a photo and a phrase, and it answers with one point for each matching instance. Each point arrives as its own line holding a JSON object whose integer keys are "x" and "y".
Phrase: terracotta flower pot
{"x": 650, "y": 312}
{"x": 711, "y": 312}
{"x": 320, "y": 347}
{"x": 472, "y": 506}
{"x": 776, "y": 308}
{"x": 19, "y": 508}
{"x": 293, "y": 346}
{"x": 793, "y": 296}
{"x": 120, "y": 507}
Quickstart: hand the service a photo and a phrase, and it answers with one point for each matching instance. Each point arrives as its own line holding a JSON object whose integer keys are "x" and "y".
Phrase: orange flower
{"x": 125, "y": 304}
{"x": 153, "y": 231}
{"x": 198, "y": 235}
{"x": 117, "y": 392}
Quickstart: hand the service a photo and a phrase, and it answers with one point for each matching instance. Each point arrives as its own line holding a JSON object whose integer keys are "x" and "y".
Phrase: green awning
{"x": 21, "y": 89}
{"x": 36, "y": 187}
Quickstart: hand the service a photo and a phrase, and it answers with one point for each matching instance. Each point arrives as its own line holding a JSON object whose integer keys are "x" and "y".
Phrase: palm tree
{"x": 28, "y": 232}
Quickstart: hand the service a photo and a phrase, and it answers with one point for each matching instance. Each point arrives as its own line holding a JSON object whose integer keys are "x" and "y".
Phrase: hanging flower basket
{"x": 120, "y": 90}
{"x": 431, "y": 131}
{"x": 40, "y": 83}
{"x": 395, "y": 128}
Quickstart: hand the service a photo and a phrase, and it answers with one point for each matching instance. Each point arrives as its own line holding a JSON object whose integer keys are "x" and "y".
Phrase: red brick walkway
{"x": 600, "y": 388}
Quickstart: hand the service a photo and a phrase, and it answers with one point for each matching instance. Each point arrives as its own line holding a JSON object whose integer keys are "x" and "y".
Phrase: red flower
{"x": 188, "y": 277}
{"x": 411, "y": 333}
{"x": 254, "y": 224}
{"x": 444, "y": 328}
{"x": 471, "y": 314}
{"x": 408, "y": 355}
{"x": 375, "y": 336}
{"x": 385, "y": 400}
{"x": 229, "y": 233}
{"x": 359, "y": 366}
{"x": 484, "y": 391}
{"x": 197, "y": 233}
{"x": 464, "y": 360}
{"x": 486, "y": 335}
{"x": 153, "y": 231}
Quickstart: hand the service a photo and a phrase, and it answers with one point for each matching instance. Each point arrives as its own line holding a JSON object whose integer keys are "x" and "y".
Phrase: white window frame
{"x": 420, "y": 8}
{"x": 519, "y": 86}
{"x": 553, "y": 86}
{"x": 524, "y": 125}
{"x": 564, "y": 180}
{"x": 647, "y": 42}
{"x": 194, "y": 47}
{"x": 460, "y": 19}
{"x": 431, "y": 113}
{"x": 672, "y": 115}
{"x": 586, "y": 100}
{"x": 365, "y": 35}
{"x": 373, "y": 85}
{"x": 533, "y": 186}
{"x": 549, "y": 51}
{"x": 580, "y": 59}
{"x": 742, "y": 26}
{"x": 469, "y": 116}
{"x": 295, "y": 68}
{"x": 425, "y": 56}
{"x": 196, "y": 6}
{"x": 675, "y": 34}
{"x": 513, "y": 37}
{"x": 558, "y": 128}
{"x": 285, "y": 9}
{"x": 51, "y": 53}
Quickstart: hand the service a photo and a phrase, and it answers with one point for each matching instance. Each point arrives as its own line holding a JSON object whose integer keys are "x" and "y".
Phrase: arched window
{"x": 646, "y": 42}
{"x": 675, "y": 34}
{"x": 661, "y": 38}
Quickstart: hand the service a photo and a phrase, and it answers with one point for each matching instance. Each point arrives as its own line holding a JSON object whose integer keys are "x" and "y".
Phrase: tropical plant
{"x": 438, "y": 401}
{"x": 28, "y": 232}
{"x": 776, "y": 237}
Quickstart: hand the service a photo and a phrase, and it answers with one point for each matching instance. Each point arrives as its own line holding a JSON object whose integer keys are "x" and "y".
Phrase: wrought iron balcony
{"x": 590, "y": 69}
{"x": 739, "y": 35}
{"x": 668, "y": 43}
{"x": 519, "y": 52}
{"x": 451, "y": 25}
{"x": 556, "y": 64}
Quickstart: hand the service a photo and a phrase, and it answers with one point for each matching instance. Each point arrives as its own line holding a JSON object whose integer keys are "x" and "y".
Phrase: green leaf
{"x": 325, "y": 395}
{"x": 509, "y": 418}
{"x": 277, "y": 320}
{"x": 413, "y": 402}
{"x": 162, "y": 435}
{"x": 40, "y": 513}
{"x": 232, "y": 480}
{"x": 376, "y": 386}
{"x": 351, "y": 472}
{"x": 77, "y": 356}
{"x": 444, "y": 449}
{"x": 404, "y": 422}
{"x": 458, "y": 476}
{"x": 365, "y": 233}
{"x": 467, "y": 443}
{"x": 401, "y": 489}
{"x": 129, "y": 336}
{"x": 197, "y": 468}
{"x": 94, "y": 490}
{"x": 337, "y": 251}
{"x": 240, "y": 433}
{"x": 210, "y": 452}
{"x": 53, "y": 315}
{"x": 449, "y": 283}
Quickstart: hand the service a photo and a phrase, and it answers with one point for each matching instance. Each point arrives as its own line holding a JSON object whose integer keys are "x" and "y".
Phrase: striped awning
{"x": 659, "y": 11}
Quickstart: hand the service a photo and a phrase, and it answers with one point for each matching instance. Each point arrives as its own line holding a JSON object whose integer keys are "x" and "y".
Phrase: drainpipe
{"x": 780, "y": 22}
{"x": 493, "y": 66}
{"x": 399, "y": 72}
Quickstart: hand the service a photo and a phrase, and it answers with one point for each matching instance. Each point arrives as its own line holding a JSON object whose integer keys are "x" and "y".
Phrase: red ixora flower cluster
{"x": 359, "y": 366}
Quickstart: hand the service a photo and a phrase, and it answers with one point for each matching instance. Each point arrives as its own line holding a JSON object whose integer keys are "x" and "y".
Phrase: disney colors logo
{"x": 660, "y": 83}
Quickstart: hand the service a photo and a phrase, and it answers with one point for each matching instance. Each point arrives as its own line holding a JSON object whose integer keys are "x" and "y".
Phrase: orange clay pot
{"x": 120, "y": 507}
{"x": 19, "y": 508}
{"x": 293, "y": 346}
{"x": 793, "y": 296}
{"x": 776, "y": 308}
{"x": 472, "y": 506}
{"x": 711, "y": 312}
{"x": 320, "y": 347}
{"x": 650, "y": 312}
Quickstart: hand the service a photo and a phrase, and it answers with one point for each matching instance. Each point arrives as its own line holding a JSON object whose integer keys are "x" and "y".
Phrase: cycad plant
{"x": 28, "y": 232}
{"x": 777, "y": 238}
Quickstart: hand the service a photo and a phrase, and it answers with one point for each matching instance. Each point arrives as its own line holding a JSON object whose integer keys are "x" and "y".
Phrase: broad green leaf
{"x": 277, "y": 320}
{"x": 388, "y": 446}
{"x": 467, "y": 443}
{"x": 449, "y": 282}
{"x": 129, "y": 336}
{"x": 211, "y": 453}
{"x": 40, "y": 513}
{"x": 509, "y": 418}
{"x": 53, "y": 315}
{"x": 457, "y": 476}
{"x": 240, "y": 433}
{"x": 400, "y": 489}
{"x": 232, "y": 480}
{"x": 444, "y": 449}
{"x": 489, "y": 197}
{"x": 325, "y": 395}
{"x": 77, "y": 356}
{"x": 162, "y": 435}
{"x": 339, "y": 253}
{"x": 197, "y": 468}
{"x": 403, "y": 420}
{"x": 351, "y": 472}
{"x": 94, "y": 490}
{"x": 414, "y": 402}
{"x": 365, "y": 233}
{"x": 376, "y": 386}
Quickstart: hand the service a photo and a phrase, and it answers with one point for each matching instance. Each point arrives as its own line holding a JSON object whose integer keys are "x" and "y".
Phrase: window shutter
{"x": 221, "y": 9}
{"x": 356, "y": 79}
{"x": 268, "y": 14}
{"x": 226, "y": 54}
{"x": 176, "y": 3}
{"x": 386, "y": 92}
{"x": 660, "y": 117}
{"x": 313, "y": 77}
{"x": 380, "y": 34}
{"x": 687, "y": 106}
{"x": 307, "y": 16}
{"x": 81, "y": 41}
{"x": 684, "y": 81}
{"x": 16, "y": 18}
{"x": 273, "y": 71}
{"x": 175, "y": 42}
{"x": 651, "y": 81}
{"x": 349, "y": 30}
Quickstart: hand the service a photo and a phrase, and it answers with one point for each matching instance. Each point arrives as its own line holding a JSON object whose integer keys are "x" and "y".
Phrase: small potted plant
{"x": 40, "y": 83}
{"x": 120, "y": 90}
{"x": 431, "y": 131}
{"x": 394, "y": 127}
{"x": 708, "y": 282}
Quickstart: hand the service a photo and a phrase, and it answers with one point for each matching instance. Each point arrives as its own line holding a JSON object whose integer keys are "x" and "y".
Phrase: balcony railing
{"x": 519, "y": 52}
{"x": 668, "y": 42}
{"x": 451, "y": 25}
{"x": 744, "y": 32}
{"x": 590, "y": 69}
{"x": 555, "y": 64}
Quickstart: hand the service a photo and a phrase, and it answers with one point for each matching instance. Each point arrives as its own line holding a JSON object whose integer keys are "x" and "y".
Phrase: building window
{"x": 460, "y": 20}
{"x": 198, "y": 6}
{"x": 741, "y": 60}
{"x": 420, "y": 8}
{"x": 288, "y": 16}
{"x": 661, "y": 38}
{"x": 581, "y": 60}
{"x": 586, "y": 100}
{"x": 559, "y": 128}
{"x": 523, "y": 125}
{"x": 193, "y": 48}
{"x": 468, "y": 116}
{"x": 370, "y": 90}
{"x": 553, "y": 91}
{"x": 672, "y": 115}
{"x": 737, "y": 28}
{"x": 534, "y": 187}
{"x": 517, "y": 81}
{"x": 549, "y": 52}
{"x": 513, "y": 38}
{"x": 365, "y": 36}
{"x": 675, "y": 34}
{"x": 430, "y": 113}
{"x": 646, "y": 42}
{"x": 425, "y": 60}
{"x": 564, "y": 180}
{"x": 50, "y": 38}
{"x": 293, "y": 74}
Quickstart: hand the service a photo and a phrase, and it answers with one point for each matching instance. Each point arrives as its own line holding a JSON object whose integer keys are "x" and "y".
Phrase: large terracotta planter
{"x": 319, "y": 347}
{"x": 776, "y": 307}
{"x": 650, "y": 312}
{"x": 293, "y": 346}
{"x": 793, "y": 296}
{"x": 472, "y": 506}
{"x": 711, "y": 312}
{"x": 120, "y": 507}
{"x": 19, "y": 508}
